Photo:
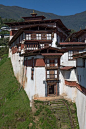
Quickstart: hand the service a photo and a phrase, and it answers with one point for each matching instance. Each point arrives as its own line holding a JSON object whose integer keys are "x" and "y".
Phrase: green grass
{"x": 15, "y": 111}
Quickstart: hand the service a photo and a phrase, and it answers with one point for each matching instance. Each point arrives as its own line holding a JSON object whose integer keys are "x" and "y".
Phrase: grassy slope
{"x": 15, "y": 112}
{"x": 14, "y": 104}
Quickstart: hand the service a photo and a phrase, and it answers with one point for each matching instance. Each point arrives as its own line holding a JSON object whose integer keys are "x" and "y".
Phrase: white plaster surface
{"x": 65, "y": 62}
{"x": 81, "y": 109}
{"x": 70, "y": 75}
{"x": 71, "y": 92}
{"x": 17, "y": 63}
{"x": 76, "y": 96}
{"x": 35, "y": 87}
{"x": 10, "y": 37}
{"x": 62, "y": 83}
{"x": 39, "y": 78}
{"x": 54, "y": 40}
{"x": 29, "y": 87}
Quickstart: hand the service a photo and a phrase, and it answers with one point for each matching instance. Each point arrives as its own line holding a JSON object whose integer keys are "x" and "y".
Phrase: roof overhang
{"x": 44, "y": 52}
{"x": 79, "y": 55}
{"x": 66, "y": 68}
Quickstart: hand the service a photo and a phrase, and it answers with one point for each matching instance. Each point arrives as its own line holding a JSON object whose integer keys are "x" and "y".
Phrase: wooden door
{"x": 52, "y": 89}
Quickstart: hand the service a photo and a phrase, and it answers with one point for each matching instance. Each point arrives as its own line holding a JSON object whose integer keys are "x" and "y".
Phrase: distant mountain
{"x": 72, "y": 22}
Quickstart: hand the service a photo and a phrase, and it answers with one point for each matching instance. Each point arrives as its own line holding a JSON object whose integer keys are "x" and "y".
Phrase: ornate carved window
{"x": 51, "y": 74}
{"x": 44, "y": 36}
{"x": 48, "y": 36}
{"x": 33, "y": 36}
{"x": 38, "y": 36}
{"x": 42, "y": 45}
{"x": 31, "y": 46}
{"x": 51, "y": 62}
{"x": 70, "y": 54}
{"x": 28, "y": 36}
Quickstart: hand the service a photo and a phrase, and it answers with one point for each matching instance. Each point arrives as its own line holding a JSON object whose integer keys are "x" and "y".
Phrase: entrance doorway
{"x": 52, "y": 89}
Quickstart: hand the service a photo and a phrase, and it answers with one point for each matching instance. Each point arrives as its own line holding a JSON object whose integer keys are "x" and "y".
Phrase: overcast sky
{"x": 59, "y": 7}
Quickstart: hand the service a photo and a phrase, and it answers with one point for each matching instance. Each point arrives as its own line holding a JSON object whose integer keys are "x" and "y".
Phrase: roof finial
{"x": 33, "y": 11}
{"x": 33, "y": 14}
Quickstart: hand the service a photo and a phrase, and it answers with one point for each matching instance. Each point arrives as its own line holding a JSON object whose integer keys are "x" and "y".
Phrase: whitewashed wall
{"x": 10, "y": 38}
{"x": 70, "y": 75}
{"x": 65, "y": 62}
{"x": 39, "y": 78}
{"x": 54, "y": 40}
{"x": 17, "y": 63}
{"x": 81, "y": 109}
{"x": 62, "y": 83}
{"x": 74, "y": 94}
{"x": 29, "y": 86}
{"x": 36, "y": 87}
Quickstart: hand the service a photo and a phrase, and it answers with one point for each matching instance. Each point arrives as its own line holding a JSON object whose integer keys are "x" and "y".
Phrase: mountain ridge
{"x": 75, "y": 21}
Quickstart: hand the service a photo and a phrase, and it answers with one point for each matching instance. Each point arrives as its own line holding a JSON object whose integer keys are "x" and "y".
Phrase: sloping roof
{"x": 67, "y": 67}
{"x": 75, "y": 35}
{"x": 79, "y": 55}
{"x": 44, "y": 51}
{"x": 17, "y": 34}
{"x": 80, "y": 32}
{"x": 72, "y": 43}
{"x": 58, "y": 21}
{"x": 52, "y": 54}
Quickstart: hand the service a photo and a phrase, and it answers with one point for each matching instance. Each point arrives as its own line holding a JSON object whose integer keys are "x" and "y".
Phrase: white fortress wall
{"x": 65, "y": 62}
{"x": 17, "y": 63}
{"x": 61, "y": 83}
{"x": 54, "y": 40}
{"x": 29, "y": 84}
{"x": 69, "y": 76}
{"x": 81, "y": 109}
{"x": 39, "y": 76}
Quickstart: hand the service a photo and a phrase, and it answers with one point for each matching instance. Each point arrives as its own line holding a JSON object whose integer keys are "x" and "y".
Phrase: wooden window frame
{"x": 49, "y": 37}
{"x": 33, "y": 36}
{"x": 70, "y": 54}
{"x": 42, "y": 45}
{"x": 32, "y": 46}
{"x": 44, "y": 37}
{"x": 50, "y": 75}
{"x": 28, "y": 36}
{"x": 38, "y": 36}
{"x": 52, "y": 62}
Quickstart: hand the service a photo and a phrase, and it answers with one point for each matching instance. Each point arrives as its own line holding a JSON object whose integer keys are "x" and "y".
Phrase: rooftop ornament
{"x": 33, "y": 14}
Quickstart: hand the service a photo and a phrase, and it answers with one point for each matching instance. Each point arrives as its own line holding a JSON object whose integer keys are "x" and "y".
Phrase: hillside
{"x": 15, "y": 112}
{"x": 72, "y": 22}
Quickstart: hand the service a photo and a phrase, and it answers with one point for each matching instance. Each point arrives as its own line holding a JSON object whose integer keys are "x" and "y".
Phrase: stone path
{"x": 64, "y": 111}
